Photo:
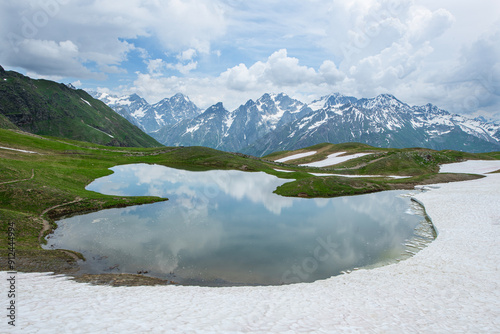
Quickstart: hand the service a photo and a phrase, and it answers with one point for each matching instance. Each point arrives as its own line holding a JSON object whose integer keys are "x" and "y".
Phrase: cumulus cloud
{"x": 330, "y": 73}
{"x": 425, "y": 25}
{"x": 437, "y": 51}
{"x": 187, "y": 23}
{"x": 187, "y": 55}
{"x": 183, "y": 68}
{"x": 100, "y": 32}
{"x": 278, "y": 73}
{"x": 45, "y": 57}
{"x": 279, "y": 70}
{"x": 155, "y": 66}
{"x": 477, "y": 75}
{"x": 283, "y": 70}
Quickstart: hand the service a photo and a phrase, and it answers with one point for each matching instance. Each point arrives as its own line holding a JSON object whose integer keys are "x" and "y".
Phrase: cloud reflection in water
{"x": 228, "y": 225}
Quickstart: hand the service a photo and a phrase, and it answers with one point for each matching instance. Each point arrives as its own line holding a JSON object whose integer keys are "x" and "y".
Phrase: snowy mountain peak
{"x": 134, "y": 96}
{"x": 180, "y": 96}
{"x": 216, "y": 108}
{"x": 382, "y": 101}
{"x": 151, "y": 118}
{"x": 332, "y": 100}
{"x": 276, "y": 122}
{"x": 386, "y": 97}
{"x": 250, "y": 103}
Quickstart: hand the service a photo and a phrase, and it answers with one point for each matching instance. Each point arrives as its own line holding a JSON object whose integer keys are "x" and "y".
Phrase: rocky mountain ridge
{"x": 278, "y": 122}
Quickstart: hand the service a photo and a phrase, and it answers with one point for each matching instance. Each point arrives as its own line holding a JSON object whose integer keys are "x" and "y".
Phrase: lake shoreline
{"x": 450, "y": 286}
{"x": 64, "y": 262}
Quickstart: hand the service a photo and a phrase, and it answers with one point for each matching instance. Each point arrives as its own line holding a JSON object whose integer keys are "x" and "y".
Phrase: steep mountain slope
{"x": 207, "y": 129}
{"x": 230, "y": 131}
{"x": 151, "y": 117}
{"x": 383, "y": 121}
{"x": 48, "y": 108}
{"x": 277, "y": 122}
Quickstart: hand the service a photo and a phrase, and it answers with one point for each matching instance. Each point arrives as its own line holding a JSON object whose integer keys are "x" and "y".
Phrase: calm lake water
{"x": 228, "y": 228}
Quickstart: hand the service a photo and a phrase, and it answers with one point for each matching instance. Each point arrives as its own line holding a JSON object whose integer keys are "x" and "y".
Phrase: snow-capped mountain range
{"x": 232, "y": 131}
{"x": 383, "y": 121}
{"x": 277, "y": 122}
{"x": 151, "y": 117}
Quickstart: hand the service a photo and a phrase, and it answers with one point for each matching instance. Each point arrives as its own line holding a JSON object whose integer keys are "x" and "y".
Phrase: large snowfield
{"x": 452, "y": 286}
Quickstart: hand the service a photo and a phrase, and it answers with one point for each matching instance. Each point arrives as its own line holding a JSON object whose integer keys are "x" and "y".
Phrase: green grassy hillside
{"x": 419, "y": 164}
{"x": 48, "y": 108}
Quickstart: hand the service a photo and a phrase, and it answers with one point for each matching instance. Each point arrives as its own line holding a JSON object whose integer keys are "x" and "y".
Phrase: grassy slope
{"x": 48, "y": 108}
{"x": 62, "y": 168}
{"x": 421, "y": 164}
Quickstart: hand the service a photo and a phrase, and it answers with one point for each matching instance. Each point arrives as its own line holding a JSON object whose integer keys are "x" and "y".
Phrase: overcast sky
{"x": 444, "y": 52}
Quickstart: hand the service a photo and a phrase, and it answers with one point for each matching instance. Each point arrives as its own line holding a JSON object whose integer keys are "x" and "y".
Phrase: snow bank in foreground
{"x": 450, "y": 286}
{"x": 334, "y": 159}
{"x": 296, "y": 156}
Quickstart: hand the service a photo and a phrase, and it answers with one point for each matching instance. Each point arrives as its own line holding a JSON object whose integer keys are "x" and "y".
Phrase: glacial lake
{"x": 226, "y": 227}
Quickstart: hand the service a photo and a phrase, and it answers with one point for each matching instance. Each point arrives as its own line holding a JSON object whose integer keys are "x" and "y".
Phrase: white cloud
{"x": 438, "y": 51}
{"x": 183, "y": 68}
{"x": 98, "y": 31}
{"x": 188, "y": 23}
{"x": 285, "y": 71}
{"x": 426, "y": 25}
{"x": 155, "y": 66}
{"x": 278, "y": 72}
{"x": 49, "y": 58}
{"x": 330, "y": 73}
{"x": 476, "y": 76}
{"x": 187, "y": 55}
{"x": 242, "y": 78}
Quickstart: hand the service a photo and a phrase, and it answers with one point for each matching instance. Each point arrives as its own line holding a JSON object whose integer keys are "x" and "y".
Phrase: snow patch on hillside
{"x": 85, "y": 101}
{"x": 334, "y": 159}
{"x": 296, "y": 156}
{"x": 17, "y": 150}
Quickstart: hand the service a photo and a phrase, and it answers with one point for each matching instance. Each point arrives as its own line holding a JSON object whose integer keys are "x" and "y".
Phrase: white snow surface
{"x": 16, "y": 149}
{"x": 111, "y": 100}
{"x": 193, "y": 128}
{"x": 452, "y": 286}
{"x": 139, "y": 113}
{"x": 477, "y": 166}
{"x": 353, "y": 175}
{"x": 284, "y": 170}
{"x": 296, "y": 156}
{"x": 334, "y": 159}
{"x": 107, "y": 134}
{"x": 317, "y": 105}
{"x": 86, "y": 101}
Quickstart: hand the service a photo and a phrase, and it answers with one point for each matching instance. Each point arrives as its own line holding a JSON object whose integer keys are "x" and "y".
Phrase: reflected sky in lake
{"x": 227, "y": 227}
